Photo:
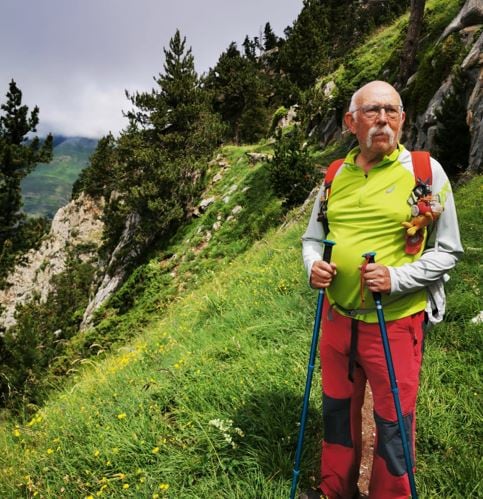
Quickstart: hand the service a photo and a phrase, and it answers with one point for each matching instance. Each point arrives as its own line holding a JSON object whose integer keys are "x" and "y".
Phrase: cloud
{"x": 74, "y": 59}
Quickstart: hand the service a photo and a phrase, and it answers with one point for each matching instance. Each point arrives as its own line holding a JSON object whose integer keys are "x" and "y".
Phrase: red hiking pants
{"x": 343, "y": 399}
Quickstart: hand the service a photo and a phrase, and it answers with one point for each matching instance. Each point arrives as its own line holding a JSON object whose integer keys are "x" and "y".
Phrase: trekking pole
{"x": 313, "y": 349}
{"x": 392, "y": 378}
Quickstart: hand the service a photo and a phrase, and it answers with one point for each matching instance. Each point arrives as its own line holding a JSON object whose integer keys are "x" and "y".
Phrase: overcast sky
{"x": 75, "y": 58}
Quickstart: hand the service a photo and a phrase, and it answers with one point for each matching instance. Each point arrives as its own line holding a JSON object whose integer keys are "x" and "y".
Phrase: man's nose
{"x": 382, "y": 116}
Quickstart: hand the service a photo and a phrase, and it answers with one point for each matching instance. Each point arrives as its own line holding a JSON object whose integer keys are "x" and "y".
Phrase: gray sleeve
{"x": 443, "y": 248}
{"x": 312, "y": 247}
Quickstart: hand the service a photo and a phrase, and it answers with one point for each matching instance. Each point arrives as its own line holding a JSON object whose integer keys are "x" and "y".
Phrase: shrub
{"x": 42, "y": 331}
{"x": 292, "y": 170}
{"x": 280, "y": 113}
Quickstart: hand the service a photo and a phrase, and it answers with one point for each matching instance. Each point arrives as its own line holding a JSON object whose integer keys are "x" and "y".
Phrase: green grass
{"x": 190, "y": 258}
{"x": 207, "y": 399}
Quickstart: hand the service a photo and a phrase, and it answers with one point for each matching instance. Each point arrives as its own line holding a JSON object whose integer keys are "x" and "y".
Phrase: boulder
{"x": 256, "y": 157}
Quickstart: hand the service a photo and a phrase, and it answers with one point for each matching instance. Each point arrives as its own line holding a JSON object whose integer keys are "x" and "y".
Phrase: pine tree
{"x": 292, "y": 171}
{"x": 158, "y": 162}
{"x": 240, "y": 91}
{"x": 270, "y": 40}
{"x": 306, "y": 44}
{"x": 18, "y": 157}
{"x": 171, "y": 112}
{"x": 325, "y": 30}
{"x": 98, "y": 178}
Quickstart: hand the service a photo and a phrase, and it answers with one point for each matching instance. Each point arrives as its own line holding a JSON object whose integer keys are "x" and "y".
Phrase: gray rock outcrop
{"x": 115, "y": 271}
{"x": 78, "y": 224}
{"x": 426, "y": 125}
{"x": 470, "y": 14}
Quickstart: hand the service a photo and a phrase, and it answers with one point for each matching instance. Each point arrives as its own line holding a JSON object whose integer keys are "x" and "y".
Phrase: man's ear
{"x": 350, "y": 122}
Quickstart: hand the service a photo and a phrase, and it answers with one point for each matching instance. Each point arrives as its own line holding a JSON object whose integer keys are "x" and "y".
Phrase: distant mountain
{"x": 49, "y": 186}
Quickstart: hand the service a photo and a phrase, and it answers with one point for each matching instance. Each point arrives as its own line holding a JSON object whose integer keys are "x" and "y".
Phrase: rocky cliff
{"x": 76, "y": 225}
{"x": 420, "y": 131}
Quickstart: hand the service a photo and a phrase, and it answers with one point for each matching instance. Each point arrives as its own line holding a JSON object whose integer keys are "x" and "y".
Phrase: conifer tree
{"x": 159, "y": 160}
{"x": 18, "y": 157}
{"x": 240, "y": 93}
{"x": 98, "y": 178}
{"x": 270, "y": 40}
{"x": 306, "y": 46}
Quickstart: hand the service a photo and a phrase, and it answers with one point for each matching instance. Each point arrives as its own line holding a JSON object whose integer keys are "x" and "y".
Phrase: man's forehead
{"x": 378, "y": 95}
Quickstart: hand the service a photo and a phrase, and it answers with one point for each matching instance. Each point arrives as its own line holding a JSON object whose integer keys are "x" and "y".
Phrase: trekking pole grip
{"x": 371, "y": 258}
{"x": 328, "y": 246}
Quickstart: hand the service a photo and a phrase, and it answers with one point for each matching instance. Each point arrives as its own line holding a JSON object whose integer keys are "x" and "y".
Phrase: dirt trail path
{"x": 368, "y": 431}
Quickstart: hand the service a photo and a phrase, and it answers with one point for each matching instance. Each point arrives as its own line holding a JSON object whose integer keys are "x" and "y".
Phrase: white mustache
{"x": 386, "y": 130}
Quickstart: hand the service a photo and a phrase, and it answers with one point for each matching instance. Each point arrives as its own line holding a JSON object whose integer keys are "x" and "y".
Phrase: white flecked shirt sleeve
{"x": 312, "y": 247}
{"x": 443, "y": 248}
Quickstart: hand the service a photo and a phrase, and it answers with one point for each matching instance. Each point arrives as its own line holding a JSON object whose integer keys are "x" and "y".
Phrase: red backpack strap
{"x": 422, "y": 167}
{"x": 329, "y": 177}
{"x": 331, "y": 171}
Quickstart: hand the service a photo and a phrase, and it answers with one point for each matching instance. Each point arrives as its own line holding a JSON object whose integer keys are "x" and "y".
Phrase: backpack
{"x": 423, "y": 177}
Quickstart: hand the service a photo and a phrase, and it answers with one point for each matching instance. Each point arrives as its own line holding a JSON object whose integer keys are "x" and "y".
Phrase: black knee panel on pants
{"x": 337, "y": 427}
{"x": 389, "y": 443}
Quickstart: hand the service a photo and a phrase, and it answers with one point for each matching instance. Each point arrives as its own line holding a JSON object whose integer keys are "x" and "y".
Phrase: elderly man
{"x": 373, "y": 197}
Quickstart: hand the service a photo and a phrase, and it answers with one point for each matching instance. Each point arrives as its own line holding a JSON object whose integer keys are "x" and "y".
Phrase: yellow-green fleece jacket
{"x": 365, "y": 213}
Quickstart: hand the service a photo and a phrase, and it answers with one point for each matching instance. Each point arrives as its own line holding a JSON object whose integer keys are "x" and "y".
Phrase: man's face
{"x": 378, "y": 120}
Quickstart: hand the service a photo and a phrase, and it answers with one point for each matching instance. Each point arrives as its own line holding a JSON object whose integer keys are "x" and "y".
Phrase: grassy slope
{"x": 196, "y": 251}
{"x": 207, "y": 399}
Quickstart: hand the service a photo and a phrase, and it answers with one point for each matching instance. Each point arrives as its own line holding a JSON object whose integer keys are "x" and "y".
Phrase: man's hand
{"x": 377, "y": 278}
{"x": 322, "y": 274}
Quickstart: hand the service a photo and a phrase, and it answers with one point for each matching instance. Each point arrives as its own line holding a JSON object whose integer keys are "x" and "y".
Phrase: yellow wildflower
{"x": 155, "y": 450}
{"x": 125, "y": 486}
{"x": 121, "y": 416}
{"x": 164, "y": 486}
{"x": 50, "y": 451}
{"x": 16, "y": 432}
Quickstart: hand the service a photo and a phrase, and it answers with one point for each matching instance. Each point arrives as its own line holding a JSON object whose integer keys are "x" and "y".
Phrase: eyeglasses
{"x": 372, "y": 110}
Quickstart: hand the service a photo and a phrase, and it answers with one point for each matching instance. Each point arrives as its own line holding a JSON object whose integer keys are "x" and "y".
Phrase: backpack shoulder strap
{"x": 331, "y": 171}
{"x": 422, "y": 167}
{"x": 329, "y": 177}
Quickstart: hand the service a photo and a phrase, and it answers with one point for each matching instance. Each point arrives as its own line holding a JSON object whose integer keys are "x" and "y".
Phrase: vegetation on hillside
{"x": 155, "y": 170}
{"x": 189, "y": 382}
{"x": 18, "y": 156}
{"x": 35, "y": 360}
{"x": 49, "y": 186}
{"x": 205, "y": 401}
